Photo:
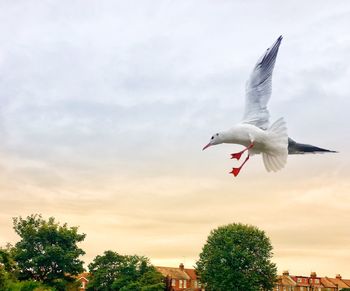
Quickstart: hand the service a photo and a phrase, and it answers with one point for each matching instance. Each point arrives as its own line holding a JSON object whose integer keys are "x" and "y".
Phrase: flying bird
{"x": 254, "y": 131}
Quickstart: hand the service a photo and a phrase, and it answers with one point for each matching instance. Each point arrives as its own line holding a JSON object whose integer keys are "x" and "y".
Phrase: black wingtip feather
{"x": 270, "y": 54}
{"x": 278, "y": 41}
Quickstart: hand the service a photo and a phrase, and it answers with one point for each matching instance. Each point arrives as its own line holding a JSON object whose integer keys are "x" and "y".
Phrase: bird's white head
{"x": 217, "y": 138}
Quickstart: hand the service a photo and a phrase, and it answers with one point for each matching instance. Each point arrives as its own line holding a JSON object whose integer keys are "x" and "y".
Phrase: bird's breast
{"x": 246, "y": 134}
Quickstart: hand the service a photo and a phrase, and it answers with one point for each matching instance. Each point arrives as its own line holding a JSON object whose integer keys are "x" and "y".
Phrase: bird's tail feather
{"x": 295, "y": 148}
{"x": 276, "y": 157}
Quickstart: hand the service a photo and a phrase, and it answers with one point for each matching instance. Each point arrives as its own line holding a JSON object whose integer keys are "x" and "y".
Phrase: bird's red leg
{"x": 235, "y": 171}
{"x": 238, "y": 155}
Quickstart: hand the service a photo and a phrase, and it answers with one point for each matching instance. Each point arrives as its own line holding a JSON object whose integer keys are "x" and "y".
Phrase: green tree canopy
{"x": 112, "y": 271}
{"x": 237, "y": 257}
{"x": 47, "y": 251}
{"x": 7, "y": 260}
{"x": 9, "y": 272}
{"x": 8, "y": 267}
{"x": 104, "y": 270}
{"x": 4, "y": 278}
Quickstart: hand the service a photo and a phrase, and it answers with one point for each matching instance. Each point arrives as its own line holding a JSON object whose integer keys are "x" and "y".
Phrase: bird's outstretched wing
{"x": 258, "y": 88}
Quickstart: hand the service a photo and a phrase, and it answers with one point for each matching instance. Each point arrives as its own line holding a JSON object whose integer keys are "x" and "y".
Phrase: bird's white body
{"x": 272, "y": 143}
{"x": 245, "y": 134}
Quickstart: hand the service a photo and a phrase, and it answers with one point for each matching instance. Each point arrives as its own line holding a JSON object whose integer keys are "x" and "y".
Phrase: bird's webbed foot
{"x": 235, "y": 171}
{"x": 238, "y": 155}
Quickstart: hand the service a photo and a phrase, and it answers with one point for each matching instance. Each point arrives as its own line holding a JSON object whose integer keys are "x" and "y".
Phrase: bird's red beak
{"x": 208, "y": 145}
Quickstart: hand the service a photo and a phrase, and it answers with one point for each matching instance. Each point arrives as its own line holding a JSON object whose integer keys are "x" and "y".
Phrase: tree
{"x": 9, "y": 274}
{"x": 47, "y": 251}
{"x": 8, "y": 267}
{"x": 237, "y": 257}
{"x": 104, "y": 270}
{"x": 112, "y": 271}
{"x": 4, "y": 278}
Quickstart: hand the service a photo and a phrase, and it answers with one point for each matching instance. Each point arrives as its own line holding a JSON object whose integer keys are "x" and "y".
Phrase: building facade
{"x": 180, "y": 279}
{"x": 83, "y": 280}
{"x": 287, "y": 282}
{"x": 184, "y": 279}
{"x": 176, "y": 279}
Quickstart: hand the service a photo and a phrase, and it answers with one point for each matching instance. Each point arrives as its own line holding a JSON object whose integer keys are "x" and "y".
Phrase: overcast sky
{"x": 106, "y": 105}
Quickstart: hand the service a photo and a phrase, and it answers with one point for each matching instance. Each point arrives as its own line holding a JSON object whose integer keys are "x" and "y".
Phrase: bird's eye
{"x": 212, "y": 137}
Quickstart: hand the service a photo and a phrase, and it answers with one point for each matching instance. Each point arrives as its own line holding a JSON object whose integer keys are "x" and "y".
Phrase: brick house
{"x": 286, "y": 282}
{"x": 347, "y": 281}
{"x": 176, "y": 279}
{"x": 83, "y": 279}
{"x": 339, "y": 282}
{"x": 315, "y": 282}
{"x": 183, "y": 279}
{"x": 180, "y": 279}
{"x": 328, "y": 285}
{"x": 302, "y": 283}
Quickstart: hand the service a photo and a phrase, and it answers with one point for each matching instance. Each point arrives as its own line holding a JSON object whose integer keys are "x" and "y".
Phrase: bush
{"x": 28, "y": 286}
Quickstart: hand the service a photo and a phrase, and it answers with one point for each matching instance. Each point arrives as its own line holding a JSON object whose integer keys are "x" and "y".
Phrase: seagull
{"x": 254, "y": 132}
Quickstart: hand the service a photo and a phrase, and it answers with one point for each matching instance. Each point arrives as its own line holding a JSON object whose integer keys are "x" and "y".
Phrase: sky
{"x": 106, "y": 106}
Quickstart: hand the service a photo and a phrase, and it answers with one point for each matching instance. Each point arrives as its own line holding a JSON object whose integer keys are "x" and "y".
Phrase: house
{"x": 339, "y": 282}
{"x": 180, "y": 279}
{"x": 83, "y": 279}
{"x": 302, "y": 283}
{"x": 195, "y": 283}
{"x": 315, "y": 282}
{"x": 184, "y": 279}
{"x": 286, "y": 282}
{"x": 346, "y": 281}
{"x": 328, "y": 285}
{"x": 175, "y": 278}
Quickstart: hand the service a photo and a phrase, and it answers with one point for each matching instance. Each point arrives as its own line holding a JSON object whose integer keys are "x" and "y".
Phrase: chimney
{"x": 338, "y": 276}
{"x": 182, "y": 267}
{"x": 313, "y": 275}
{"x": 285, "y": 273}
